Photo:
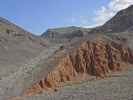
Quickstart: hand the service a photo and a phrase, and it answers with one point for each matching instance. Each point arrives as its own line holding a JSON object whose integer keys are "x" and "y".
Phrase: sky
{"x": 37, "y": 16}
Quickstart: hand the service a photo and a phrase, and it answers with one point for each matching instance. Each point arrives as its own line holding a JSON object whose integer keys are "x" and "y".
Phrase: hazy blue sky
{"x": 38, "y": 15}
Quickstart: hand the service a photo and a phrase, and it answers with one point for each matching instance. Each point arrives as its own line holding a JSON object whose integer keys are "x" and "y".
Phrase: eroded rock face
{"x": 92, "y": 58}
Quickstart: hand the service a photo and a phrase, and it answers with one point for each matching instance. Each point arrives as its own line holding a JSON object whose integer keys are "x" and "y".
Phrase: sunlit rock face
{"x": 98, "y": 57}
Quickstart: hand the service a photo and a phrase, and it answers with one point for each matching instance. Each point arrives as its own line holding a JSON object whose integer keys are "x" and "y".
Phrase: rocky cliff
{"x": 65, "y": 33}
{"x": 96, "y": 57}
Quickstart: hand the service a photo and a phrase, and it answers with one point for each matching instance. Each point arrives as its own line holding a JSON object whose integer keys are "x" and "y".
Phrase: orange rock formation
{"x": 92, "y": 58}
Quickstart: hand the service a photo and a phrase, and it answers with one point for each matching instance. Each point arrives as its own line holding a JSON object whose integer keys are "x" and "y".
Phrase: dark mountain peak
{"x": 121, "y": 22}
{"x": 125, "y": 12}
{"x": 130, "y": 7}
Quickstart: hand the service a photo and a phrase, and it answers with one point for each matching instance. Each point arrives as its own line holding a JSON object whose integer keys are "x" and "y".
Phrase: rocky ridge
{"x": 97, "y": 57}
{"x": 65, "y": 33}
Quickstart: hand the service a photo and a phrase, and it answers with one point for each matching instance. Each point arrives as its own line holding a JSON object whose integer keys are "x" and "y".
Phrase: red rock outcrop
{"x": 91, "y": 58}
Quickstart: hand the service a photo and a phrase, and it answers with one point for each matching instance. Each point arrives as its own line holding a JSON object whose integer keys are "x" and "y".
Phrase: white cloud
{"x": 107, "y": 12}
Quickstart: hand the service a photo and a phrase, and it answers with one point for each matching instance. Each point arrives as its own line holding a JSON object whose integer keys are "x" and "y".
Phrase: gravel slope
{"x": 118, "y": 87}
{"x": 14, "y": 84}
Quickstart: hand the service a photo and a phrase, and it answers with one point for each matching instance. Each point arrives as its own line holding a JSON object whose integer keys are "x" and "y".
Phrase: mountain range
{"x": 30, "y": 65}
